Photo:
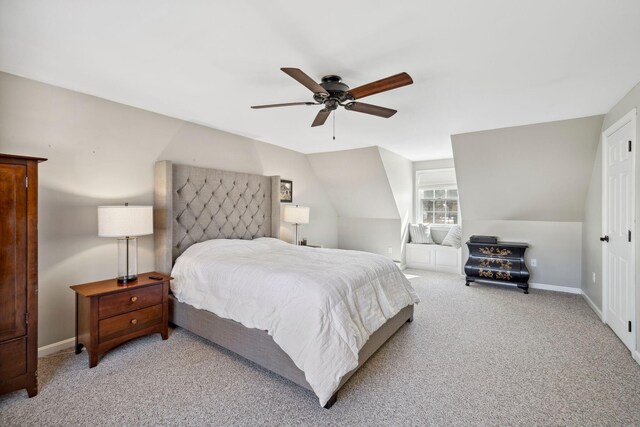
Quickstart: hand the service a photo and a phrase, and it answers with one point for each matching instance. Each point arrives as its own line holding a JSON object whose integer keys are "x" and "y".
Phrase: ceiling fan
{"x": 333, "y": 93}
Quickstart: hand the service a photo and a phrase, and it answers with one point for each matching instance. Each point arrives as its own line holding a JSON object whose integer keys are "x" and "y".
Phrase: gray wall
{"x": 592, "y": 227}
{"x": 554, "y": 245}
{"x": 591, "y": 232}
{"x": 356, "y": 182}
{"x": 529, "y": 183}
{"x": 379, "y": 236}
{"x": 101, "y": 152}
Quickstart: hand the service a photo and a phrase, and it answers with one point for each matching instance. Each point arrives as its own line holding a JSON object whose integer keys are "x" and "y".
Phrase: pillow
{"x": 438, "y": 232}
{"x": 419, "y": 233}
{"x": 454, "y": 237}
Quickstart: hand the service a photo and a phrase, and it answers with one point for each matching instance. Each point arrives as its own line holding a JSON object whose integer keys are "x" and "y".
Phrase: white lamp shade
{"x": 296, "y": 214}
{"x": 125, "y": 221}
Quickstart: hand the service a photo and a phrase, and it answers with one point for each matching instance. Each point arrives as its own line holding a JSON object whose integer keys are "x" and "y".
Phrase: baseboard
{"x": 592, "y": 305}
{"x": 636, "y": 356}
{"x": 555, "y": 288}
{"x": 56, "y": 347}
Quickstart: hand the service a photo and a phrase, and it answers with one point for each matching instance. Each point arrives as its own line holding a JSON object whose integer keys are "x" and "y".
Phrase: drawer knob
{"x": 134, "y": 299}
{"x": 134, "y": 321}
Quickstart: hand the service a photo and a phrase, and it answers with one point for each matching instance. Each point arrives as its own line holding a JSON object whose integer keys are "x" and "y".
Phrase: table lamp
{"x": 126, "y": 223}
{"x": 296, "y": 215}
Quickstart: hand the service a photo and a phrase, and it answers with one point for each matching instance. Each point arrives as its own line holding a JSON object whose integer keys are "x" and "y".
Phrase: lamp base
{"x": 127, "y": 260}
{"x": 123, "y": 281}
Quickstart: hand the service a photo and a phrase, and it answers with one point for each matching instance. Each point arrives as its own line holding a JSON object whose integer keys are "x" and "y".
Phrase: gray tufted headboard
{"x": 194, "y": 204}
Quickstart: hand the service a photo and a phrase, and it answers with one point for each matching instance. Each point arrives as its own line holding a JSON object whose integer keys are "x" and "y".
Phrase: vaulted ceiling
{"x": 476, "y": 64}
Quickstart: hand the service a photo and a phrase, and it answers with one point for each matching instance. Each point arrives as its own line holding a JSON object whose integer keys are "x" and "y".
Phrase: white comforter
{"x": 319, "y": 305}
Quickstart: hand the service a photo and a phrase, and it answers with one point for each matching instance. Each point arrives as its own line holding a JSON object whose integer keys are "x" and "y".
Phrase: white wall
{"x": 400, "y": 174}
{"x": 529, "y": 183}
{"x": 433, "y": 164}
{"x": 592, "y": 247}
{"x": 101, "y": 152}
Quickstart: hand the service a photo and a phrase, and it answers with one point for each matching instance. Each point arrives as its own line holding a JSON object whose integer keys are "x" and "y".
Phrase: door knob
{"x": 604, "y": 239}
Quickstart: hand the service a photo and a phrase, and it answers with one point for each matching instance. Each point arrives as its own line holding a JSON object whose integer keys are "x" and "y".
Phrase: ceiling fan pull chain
{"x": 334, "y": 125}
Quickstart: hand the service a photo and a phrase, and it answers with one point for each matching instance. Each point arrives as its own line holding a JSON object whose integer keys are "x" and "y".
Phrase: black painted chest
{"x": 499, "y": 263}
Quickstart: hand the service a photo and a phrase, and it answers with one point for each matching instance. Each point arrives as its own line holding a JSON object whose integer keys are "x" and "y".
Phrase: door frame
{"x": 630, "y": 117}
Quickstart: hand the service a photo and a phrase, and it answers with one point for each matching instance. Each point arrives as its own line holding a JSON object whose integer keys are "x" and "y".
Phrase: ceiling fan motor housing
{"x": 338, "y": 92}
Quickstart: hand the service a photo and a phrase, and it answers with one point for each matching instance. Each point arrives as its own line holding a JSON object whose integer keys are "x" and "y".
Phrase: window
{"x": 438, "y": 205}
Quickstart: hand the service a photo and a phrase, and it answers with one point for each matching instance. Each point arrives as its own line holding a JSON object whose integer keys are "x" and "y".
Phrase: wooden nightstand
{"x": 108, "y": 314}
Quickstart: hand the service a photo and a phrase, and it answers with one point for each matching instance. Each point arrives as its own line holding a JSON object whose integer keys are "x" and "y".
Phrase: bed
{"x": 216, "y": 218}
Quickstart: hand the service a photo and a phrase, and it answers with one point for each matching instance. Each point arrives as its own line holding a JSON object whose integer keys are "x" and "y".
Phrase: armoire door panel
{"x": 13, "y": 251}
{"x": 13, "y": 360}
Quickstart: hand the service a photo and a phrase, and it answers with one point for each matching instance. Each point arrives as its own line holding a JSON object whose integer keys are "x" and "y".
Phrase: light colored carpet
{"x": 479, "y": 355}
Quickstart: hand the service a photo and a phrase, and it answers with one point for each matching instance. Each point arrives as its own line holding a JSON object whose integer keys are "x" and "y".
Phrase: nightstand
{"x": 109, "y": 314}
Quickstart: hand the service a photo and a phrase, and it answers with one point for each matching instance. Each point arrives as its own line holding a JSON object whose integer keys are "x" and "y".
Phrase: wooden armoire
{"x": 19, "y": 273}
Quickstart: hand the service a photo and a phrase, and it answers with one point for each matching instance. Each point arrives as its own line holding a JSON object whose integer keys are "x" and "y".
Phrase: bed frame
{"x": 196, "y": 204}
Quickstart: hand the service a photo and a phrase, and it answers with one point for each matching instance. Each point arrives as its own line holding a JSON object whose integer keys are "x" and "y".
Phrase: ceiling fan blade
{"x": 288, "y": 104}
{"x": 321, "y": 117}
{"x": 361, "y": 107}
{"x": 305, "y": 80}
{"x": 382, "y": 85}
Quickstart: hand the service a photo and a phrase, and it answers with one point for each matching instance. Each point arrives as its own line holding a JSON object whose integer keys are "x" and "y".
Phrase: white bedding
{"x": 319, "y": 305}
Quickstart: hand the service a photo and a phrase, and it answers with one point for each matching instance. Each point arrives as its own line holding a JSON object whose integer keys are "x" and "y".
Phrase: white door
{"x": 618, "y": 229}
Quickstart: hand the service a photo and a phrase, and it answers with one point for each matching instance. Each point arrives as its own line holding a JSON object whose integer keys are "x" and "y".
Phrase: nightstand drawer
{"x": 127, "y": 323}
{"x": 134, "y": 299}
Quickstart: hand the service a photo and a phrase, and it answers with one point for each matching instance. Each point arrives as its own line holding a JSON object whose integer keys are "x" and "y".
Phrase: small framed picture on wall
{"x": 286, "y": 191}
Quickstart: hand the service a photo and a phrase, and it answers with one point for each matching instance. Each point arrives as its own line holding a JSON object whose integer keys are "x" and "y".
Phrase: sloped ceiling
{"x": 530, "y": 173}
{"x": 356, "y": 182}
{"x": 476, "y": 64}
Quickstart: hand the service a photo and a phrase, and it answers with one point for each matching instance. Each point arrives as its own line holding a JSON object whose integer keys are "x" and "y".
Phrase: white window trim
{"x": 435, "y": 186}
